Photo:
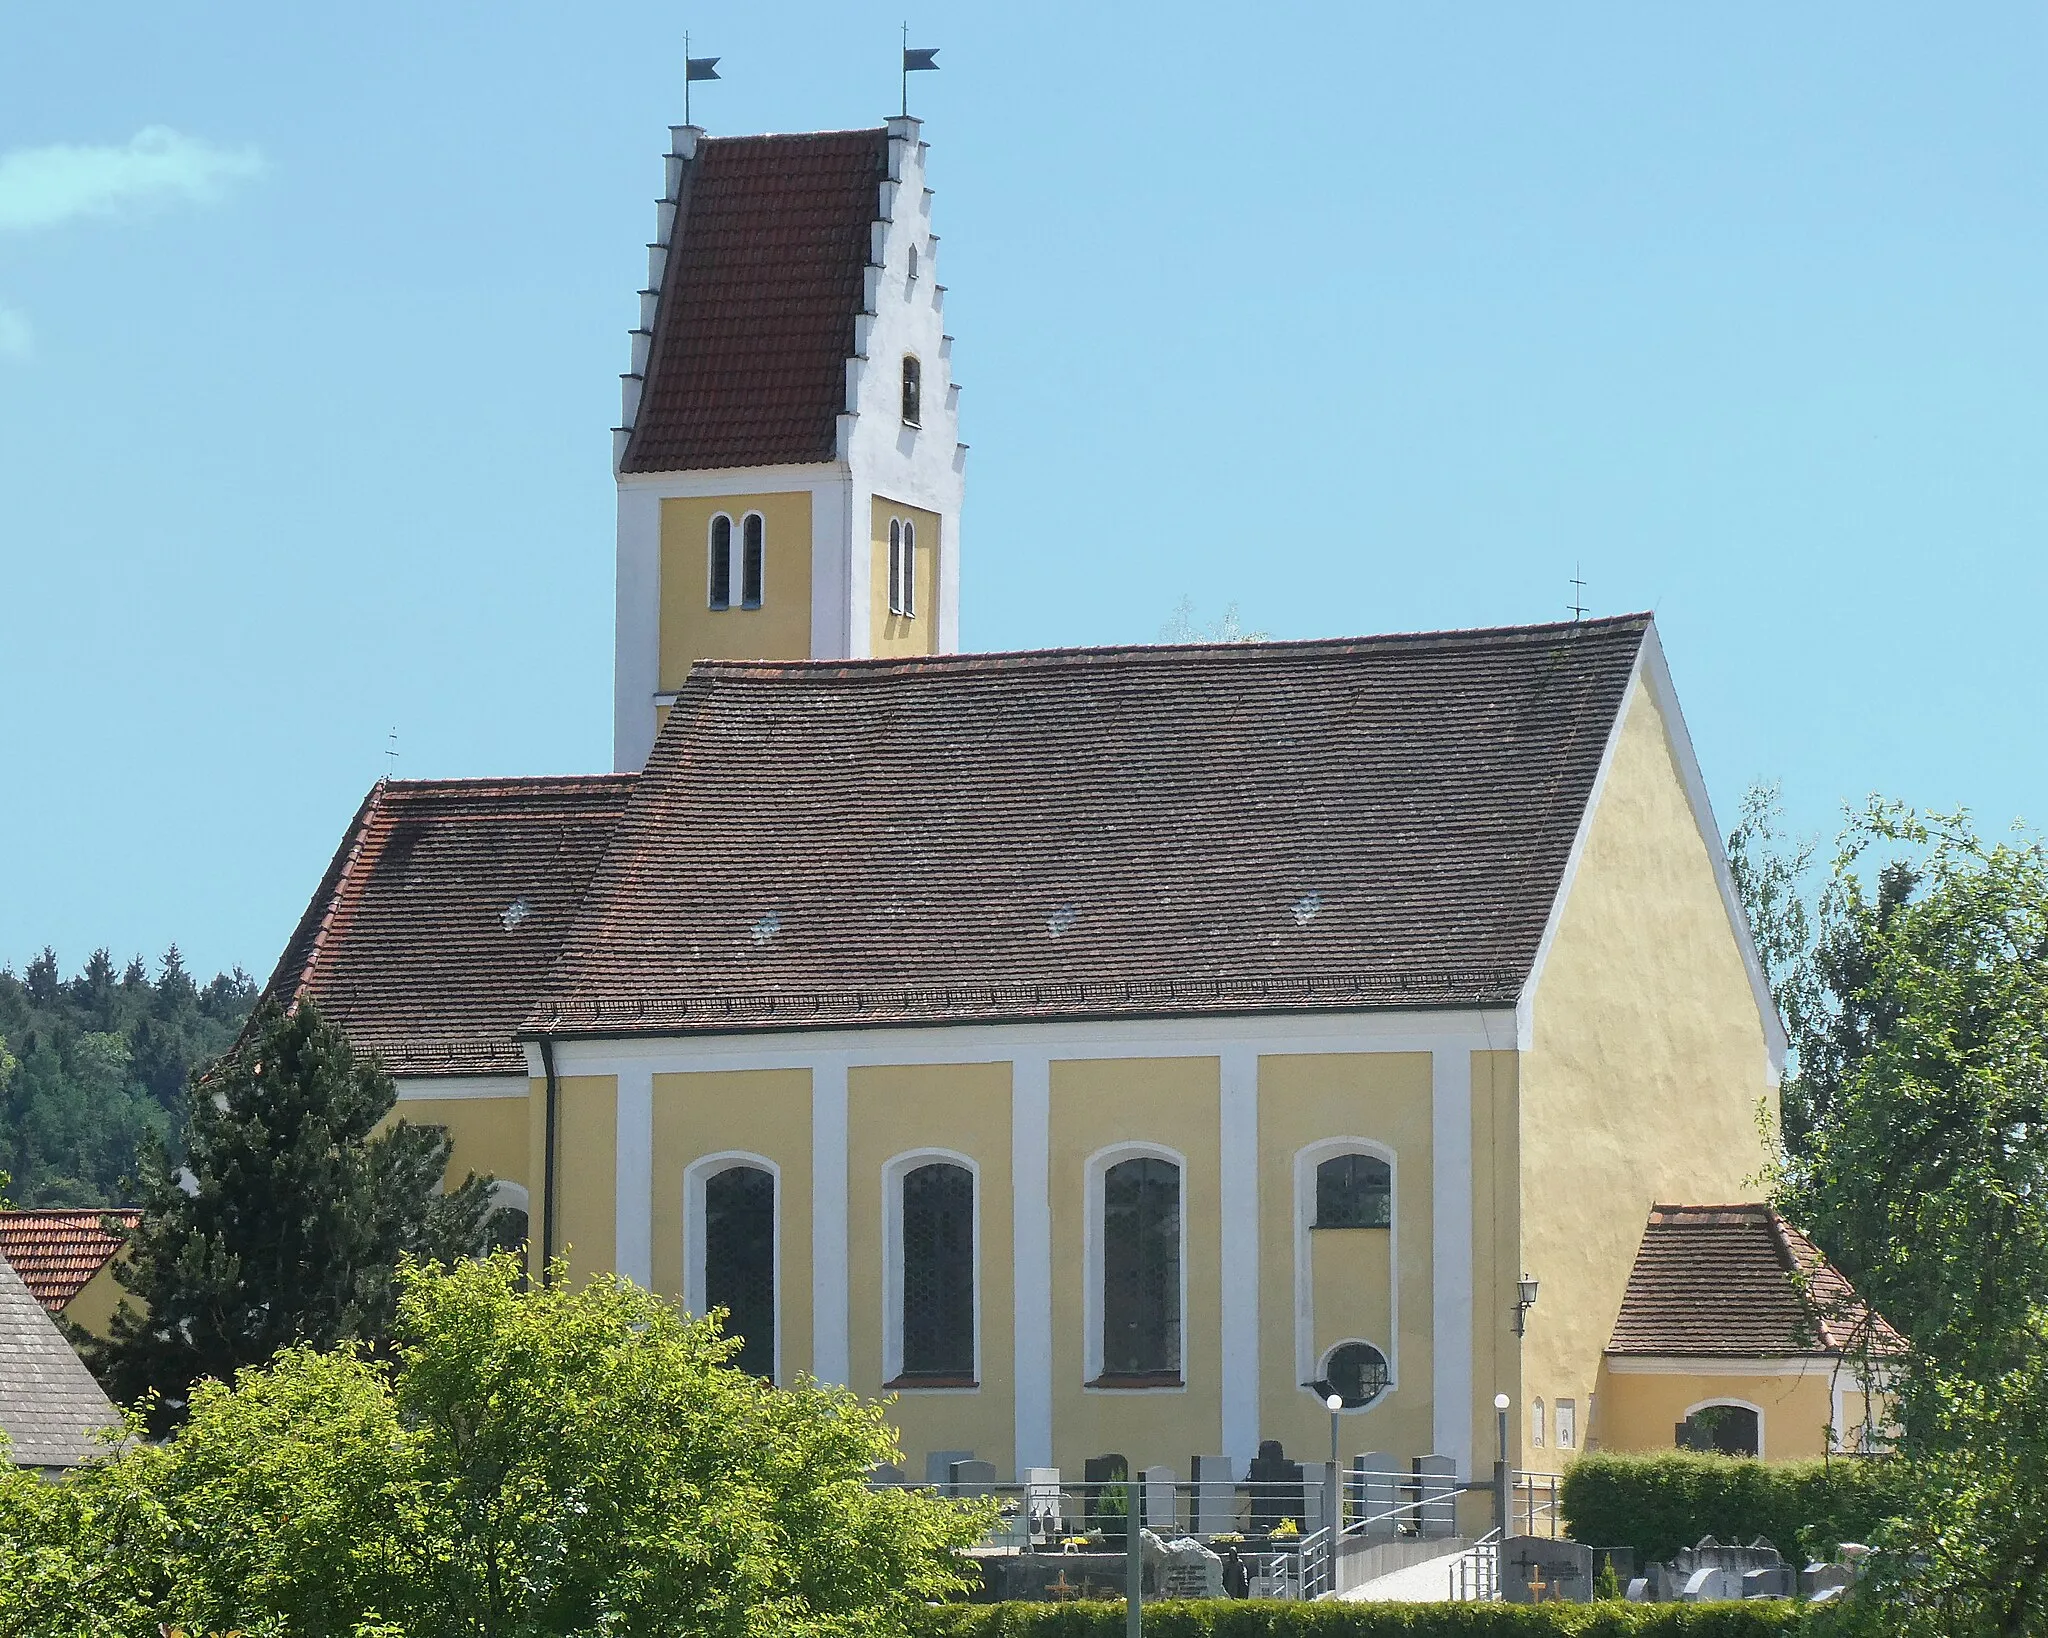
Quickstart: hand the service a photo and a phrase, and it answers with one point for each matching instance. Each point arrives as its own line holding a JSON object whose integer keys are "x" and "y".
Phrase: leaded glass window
{"x": 739, "y": 1260}
{"x": 1358, "y": 1371}
{"x": 938, "y": 1271}
{"x": 1354, "y": 1191}
{"x": 1141, "y": 1268}
{"x": 753, "y": 549}
{"x": 721, "y": 562}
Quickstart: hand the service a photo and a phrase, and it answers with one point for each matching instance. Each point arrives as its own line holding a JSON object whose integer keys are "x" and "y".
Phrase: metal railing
{"x": 1536, "y": 1510}
{"x": 1475, "y": 1576}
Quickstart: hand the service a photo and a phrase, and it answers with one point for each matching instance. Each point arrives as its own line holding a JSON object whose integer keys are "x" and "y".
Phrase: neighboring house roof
{"x": 443, "y": 910}
{"x": 1368, "y": 822}
{"x": 1739, "y": 1282}
{"x": 57, "y": 1252}
{"x": 49, "y": 1402}
{"x": 765, "y": 276}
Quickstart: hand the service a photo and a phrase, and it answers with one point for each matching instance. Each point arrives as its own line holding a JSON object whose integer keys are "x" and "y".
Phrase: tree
{"x": 546, "y": 1461}
{"x": 1180, "y": 627}
{"x": 288, "y": 1221}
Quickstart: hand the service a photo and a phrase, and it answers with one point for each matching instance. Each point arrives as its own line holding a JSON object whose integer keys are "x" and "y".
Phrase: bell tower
{"x": 788, "y": 459}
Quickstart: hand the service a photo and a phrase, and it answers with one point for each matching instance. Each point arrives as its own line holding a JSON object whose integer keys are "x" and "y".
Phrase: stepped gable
{"x": 1739, "y": 1282}
{"x": 49, "y": 1404}
{"x": 763, "y": 277}
{"x": 1370, "y": 822}
{"x": 57, "y": 1252}
{"x": 442, "y": 911}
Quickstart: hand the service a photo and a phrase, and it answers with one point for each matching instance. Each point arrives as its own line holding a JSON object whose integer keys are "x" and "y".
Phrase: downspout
{"x": 547, "y": 1188}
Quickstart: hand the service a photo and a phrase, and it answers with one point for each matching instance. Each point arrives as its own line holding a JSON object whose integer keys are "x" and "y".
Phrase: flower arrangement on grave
{"x": 1286, "y": 1527}
{"x": 1075, "y": 1544}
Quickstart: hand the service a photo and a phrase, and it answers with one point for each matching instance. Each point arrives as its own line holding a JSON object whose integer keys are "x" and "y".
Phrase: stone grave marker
{"x": 938, "y": 1465}
{"x": 1276, "y": 1487}
{"x": 1162, "y": 1509}
{"x": 1215, "y": 1494}
{"x": 1538, "y": 1570}
{"x": 1436, "y": 1478}
{"x": 1381, "y": 1485}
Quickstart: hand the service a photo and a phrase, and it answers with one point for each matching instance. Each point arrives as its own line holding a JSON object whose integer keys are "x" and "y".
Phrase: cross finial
{"x": 1578, "y": 595}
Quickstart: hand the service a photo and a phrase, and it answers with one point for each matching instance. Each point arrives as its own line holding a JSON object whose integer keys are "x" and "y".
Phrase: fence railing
{"x": 1536, "y": 1510}
{"x": 1475, "y": 1576}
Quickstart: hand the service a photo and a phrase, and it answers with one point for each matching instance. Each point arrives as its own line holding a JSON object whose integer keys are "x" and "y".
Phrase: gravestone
{"x": 938, "y": 1465}
{"x": 1042, "y": 1507}
{"x": 1710, "y": 1584}
{"x": 1275, "y": 1484}
{"x": 1539, "y": 1570}
{"x": 1318, "y": 1489}
{"x": 1381, "y": 1485}
{"x": 1162, "y": 1511}
{"x": 1215, "y": 1494}
{"x": 887, "y": 1473}
{"x": 971, "y": 1478}
{"x": 1105, "y": 1487}
{"x": 1181, "y": 1568}
{"x": 1769, "y": 1581}
{"x": 1819, "y": 1578}
{"x": 1437, "y": 1479}
{"x": 1638, "y": 1590}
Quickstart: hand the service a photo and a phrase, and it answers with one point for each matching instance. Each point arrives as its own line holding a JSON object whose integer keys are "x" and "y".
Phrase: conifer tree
{"x": 288, "y": 1219}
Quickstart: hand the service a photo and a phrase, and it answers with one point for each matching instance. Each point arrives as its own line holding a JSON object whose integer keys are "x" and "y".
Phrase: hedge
{"x": 1658, "y": 1504}
{"x": 1270, "y": 1618}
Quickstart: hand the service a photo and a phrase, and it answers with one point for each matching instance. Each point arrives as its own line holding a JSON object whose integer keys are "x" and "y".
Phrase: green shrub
{"x": 1261, "y": 1618}
{"x": 1658, "y": 1504}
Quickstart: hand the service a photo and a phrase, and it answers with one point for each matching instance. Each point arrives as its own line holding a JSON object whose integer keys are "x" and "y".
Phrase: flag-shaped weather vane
{"x": 695, "y": 69}
{"x": 917, "y": 60}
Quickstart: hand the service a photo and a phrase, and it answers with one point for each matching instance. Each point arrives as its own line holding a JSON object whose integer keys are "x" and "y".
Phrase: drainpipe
{"x": 547, "y": 1189}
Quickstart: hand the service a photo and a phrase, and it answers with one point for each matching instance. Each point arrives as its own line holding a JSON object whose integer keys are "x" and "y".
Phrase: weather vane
{"x": 695, "y": 69}
{"x": 391, "y": 754}
{"x": 916, "y": 61}
{"x": 1578, "y": 596}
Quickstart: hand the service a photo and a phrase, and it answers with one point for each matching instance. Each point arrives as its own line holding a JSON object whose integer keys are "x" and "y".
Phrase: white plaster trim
{"x": 831, "y": 1343}
{"x": 1658, "y": 674}
{"x": 1306, "y": 1357}
{"x": 1525, "y": 1006}
{"x": 633, "y": 1193}
{"x": 1031, "y": 1253}
{"x": 708, "y": 483}
{"x": 1762, "y": 1445}
{"x": 1238, "y": 1214}
{"x": 636, "y": 635}
{"x": 512, "y": 1195}
{"x": 698, "y": 1173}
{"x": 1800, "y": 1365}
{"x": 422, "y": 1088}
{"x": 1451, "y": 1265}
{"x": 894, "y": 1171}
{"x": 1092, "y": 1205}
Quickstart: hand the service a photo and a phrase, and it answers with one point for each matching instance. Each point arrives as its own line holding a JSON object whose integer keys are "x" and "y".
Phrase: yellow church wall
{"x": 488, "y": 1136}
{"x": 1306, "y": 1099}
{"x": 963, "y": 1109}
{"x": 1351, "y": 1278}
{"x": 892, "y": 636}
{"x": 586, "y": 1173}
{"x": 1172, "y": 1103}
{"x": 1496, "y": 1250}
{"x": 691, "y": 630}
{"x": 1647, "y": 1066}
{"x": 1641, "y": 1410}
{"x": 92, "y": 1306}
{"x": 765, "y": 1112}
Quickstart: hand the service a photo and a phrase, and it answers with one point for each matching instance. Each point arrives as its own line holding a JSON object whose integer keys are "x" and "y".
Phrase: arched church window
{"x": 739, "y": 1260}
{"x": 1354, "y": 1191}
{"x": 938, "y": 1271}
{"x": 913, "y": 389}
{"x": 909, "y": 567}
{"x": 721, "y": 562}
{"x": 1733, "y": 1430}
{"x": 753, "y": 549}
{"x": 1141, "y": 1269}
{"x": 895, "y": 565}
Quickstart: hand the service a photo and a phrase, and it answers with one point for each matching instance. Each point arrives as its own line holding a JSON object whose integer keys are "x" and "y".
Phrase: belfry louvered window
{"x": 753, "y": 550}
{"x": 739, "y": 1260}
{"x": 1354, "y": 1191}
{"x": 721, "y": 562}
{"x": 938, "y": 1272}
{"x": 1141, "y": 1269}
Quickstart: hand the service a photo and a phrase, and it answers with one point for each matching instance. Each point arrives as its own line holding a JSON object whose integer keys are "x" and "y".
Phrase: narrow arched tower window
{"x": 739, "y": 1260}
{"x": 909, "y": 567}
{"x": 753, "y": 549}
{"x": 721, "y": 562}
{"x": 913, "y": 389}
{"x": 1141, "y": 1268}
{"x": 938, "y": 1271}
{"x": 895, "y": 565}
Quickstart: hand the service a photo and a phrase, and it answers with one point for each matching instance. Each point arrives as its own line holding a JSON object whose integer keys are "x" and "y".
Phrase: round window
{"x": 1358, "y": 1371}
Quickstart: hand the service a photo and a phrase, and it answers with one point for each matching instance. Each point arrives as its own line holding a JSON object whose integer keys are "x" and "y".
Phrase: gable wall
{"x": 1646, "y": 1062}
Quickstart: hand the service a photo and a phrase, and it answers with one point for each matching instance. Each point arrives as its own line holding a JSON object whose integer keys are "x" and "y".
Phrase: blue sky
{"x": 1364, "y": 317}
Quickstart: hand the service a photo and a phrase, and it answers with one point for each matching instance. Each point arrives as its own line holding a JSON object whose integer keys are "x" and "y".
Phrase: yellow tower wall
{"x": 691, "y": 630}
{"x": 895, "y": 636}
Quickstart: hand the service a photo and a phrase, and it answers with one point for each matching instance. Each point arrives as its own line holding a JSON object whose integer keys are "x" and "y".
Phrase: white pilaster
{"x": 637, "y": 634}
{"x": 633, "y": 1200}
{"x": 1239, "y": 1203}
{"x": 1451, "y": 1251}
{"x": 1031, "y": 1231}
{"x": 830, "y": 1349}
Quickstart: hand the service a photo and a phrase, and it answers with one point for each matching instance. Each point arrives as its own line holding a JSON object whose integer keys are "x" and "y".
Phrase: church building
{"x": 1097, "y": 1049}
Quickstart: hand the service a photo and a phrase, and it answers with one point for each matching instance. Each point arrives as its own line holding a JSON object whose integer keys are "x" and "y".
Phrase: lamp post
{"x": 1501, "y": 1473}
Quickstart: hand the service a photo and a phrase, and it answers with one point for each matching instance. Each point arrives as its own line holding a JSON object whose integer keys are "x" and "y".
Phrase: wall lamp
{"x": 1525, "y": 1299}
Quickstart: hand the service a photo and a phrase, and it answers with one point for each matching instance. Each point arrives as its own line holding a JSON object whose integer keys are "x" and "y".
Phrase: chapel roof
{"x": 1739, "y": 1282}
{"x": 1115, "y": 832}
{"x": 49, "y": 1402}
{"x": 444, "y": 907}
{"x": 57, "y": 1252}
{"x": 765, "y": 276}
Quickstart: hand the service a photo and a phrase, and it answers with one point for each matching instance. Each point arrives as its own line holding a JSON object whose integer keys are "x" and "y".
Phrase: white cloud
{"x": 16, "y": 339}
{"x": 45, "y": 187}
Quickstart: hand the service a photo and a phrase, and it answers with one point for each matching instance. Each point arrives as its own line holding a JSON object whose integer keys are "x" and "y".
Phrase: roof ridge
{"x": 482, "y": 782}
{"x": 794, "y": 136}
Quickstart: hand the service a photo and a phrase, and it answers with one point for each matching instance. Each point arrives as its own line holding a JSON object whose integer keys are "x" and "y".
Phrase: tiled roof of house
{"x": 443, "y": 909}
{"x": 1739, "y": 1281}
{"x": 49, "y": 1403}
{"x": 1370, "y": 822}
{"x": 765, "y": 276}
{"x": 57, "y": 1252}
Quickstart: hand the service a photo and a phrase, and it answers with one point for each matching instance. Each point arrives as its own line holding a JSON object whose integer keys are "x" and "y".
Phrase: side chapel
{"x": 1090, "y": 1048}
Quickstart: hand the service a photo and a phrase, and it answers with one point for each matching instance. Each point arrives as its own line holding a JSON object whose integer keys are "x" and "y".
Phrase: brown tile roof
{"x": 1739, "y": 1281}
{"x": 1366, "y": 822}
{"x": 442, "y": 911}
{"x": 57, "y": 1252}
{"x": 766, "y": 272}
{"x": 49, "y": 1403}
